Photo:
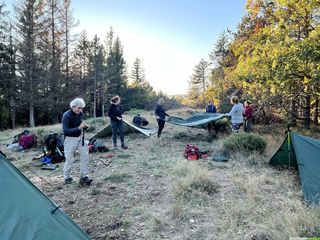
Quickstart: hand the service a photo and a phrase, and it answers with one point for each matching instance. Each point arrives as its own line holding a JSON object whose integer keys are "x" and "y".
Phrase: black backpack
{"x": 54, "y": 145}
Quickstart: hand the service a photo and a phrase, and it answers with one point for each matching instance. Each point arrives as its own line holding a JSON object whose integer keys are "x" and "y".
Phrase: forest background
{"x": 271, "y": 59}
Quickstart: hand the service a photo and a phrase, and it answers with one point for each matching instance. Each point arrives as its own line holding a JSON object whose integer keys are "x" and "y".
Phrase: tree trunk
{"x": 316, "y": 112}
{"x": 13, "y": 113}
{"x": 31, "y": 114}
{"x": 307, "y": 112}
{"x": 293, "y": 112}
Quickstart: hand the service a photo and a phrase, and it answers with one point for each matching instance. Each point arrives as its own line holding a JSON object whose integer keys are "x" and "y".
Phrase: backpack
{"x": 26, "y": 139}
{"x": 96, "y": 145}
{"x": 55, "y": 148}
{"x": 191, "y": 152}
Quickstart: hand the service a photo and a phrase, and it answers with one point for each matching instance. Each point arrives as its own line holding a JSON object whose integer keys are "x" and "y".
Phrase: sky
{"x": 169, "y": 36}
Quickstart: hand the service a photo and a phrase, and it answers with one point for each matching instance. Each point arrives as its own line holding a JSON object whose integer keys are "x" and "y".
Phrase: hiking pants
{"x": 248, "y": 125}
{"x": 160, "y": 126}
{"x": 115, "y": 125}
{"x": 71, "y": 144}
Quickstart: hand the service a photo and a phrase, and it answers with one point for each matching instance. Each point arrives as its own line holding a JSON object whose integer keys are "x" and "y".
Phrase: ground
{"x": 150, "y": 191}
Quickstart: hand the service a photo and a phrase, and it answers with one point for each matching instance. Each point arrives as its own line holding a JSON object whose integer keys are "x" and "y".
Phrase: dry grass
{"x": 151, "y": 192}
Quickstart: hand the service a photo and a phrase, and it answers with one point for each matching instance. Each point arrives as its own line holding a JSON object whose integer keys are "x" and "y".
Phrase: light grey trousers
{"x": 71, "y": 144}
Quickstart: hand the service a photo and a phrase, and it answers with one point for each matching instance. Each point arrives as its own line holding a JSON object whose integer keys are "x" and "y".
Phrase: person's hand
{"x": 83, "y": 125}
{"x": 119, "y": 118}
{"x": 158, "y": 117}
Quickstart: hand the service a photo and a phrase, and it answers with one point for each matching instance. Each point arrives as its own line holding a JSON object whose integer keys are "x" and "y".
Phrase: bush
{"x": 245, "y": 142}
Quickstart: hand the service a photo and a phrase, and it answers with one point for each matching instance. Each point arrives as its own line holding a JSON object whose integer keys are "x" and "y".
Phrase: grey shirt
{"x": 236, "y": 113}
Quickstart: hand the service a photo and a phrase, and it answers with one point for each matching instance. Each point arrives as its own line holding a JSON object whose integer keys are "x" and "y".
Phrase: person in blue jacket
{"x": 73, "y": 130}
{"x": 115, "y": 113}
{"x": 211, "y": 108}
{"x": 160, "y": 115}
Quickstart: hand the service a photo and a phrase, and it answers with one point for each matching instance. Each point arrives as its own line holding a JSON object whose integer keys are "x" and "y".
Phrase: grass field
{"x": 150, "y": 191}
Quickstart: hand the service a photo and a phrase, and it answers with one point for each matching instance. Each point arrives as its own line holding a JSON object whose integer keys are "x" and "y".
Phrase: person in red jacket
{"x": 247, "y": 116}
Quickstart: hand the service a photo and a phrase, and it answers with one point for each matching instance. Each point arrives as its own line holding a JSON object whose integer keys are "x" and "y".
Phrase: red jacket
{"x": 247, "y": 113}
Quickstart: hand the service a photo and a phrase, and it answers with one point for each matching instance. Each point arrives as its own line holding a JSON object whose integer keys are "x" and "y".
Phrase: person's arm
{"x": 231, "y": 112}
{"x": 112, "y": 112}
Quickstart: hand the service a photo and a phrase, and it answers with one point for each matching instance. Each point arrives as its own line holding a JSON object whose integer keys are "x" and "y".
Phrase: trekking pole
{"x": 82, "y": 137}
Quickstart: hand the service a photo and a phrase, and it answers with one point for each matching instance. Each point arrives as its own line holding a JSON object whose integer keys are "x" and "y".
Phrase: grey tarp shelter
{"x": 303, "y": 153}
{"x": 127, "y": 127}
{"x": 27, "y": 214}
{"x": 198, "y": 120}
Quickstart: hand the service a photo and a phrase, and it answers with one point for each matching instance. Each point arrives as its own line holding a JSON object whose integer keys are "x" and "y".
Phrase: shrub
{"x": 245, "y": 142}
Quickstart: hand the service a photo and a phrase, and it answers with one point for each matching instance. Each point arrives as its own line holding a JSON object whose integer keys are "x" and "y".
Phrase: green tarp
{"x": 199, "y": 120}
{"x": 26, "y": 213}
{"x": 304, "y": 153}
{"x": 127, "y": 127}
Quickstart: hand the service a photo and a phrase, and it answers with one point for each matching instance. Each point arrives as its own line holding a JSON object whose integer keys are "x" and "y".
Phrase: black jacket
{"x": 71, "y": 122}
{"x": 161, "y": 112}
{"x": 115, "y": 111}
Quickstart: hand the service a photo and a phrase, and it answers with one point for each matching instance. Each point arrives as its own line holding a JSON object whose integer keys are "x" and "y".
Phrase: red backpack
{"x": 27, "y": 140}
{"x": 191, "y": 152}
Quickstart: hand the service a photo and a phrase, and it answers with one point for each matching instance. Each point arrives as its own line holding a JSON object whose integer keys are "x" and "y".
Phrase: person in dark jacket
{"x": 115, "y": 113}
{"x": 73, "y": 130}
{"x": 160, "y": 115}
{"x": 140, "y": 121}
{"x": 211, "y": 108}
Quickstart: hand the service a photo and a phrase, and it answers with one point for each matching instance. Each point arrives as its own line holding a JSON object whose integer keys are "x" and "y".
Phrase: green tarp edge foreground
{"x": 26, "y": 213}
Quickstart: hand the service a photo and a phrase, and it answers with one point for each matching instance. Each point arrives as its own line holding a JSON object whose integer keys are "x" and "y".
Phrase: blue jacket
{"x": 71, "y": 122}
{"x": 211, "y": 108}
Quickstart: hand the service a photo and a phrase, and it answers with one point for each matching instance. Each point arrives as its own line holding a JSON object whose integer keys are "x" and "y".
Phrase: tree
{"x": 80, "y": 65}
{"x": 198, "y": 83}
{"x": 29, "y": 27}
{"x": 140, "y": 91}
{"x": 116, "y": 70}
{"x": 137, "y": 73}
{"x": 7, "y": 71}
{"x": 275, "y": 48}
{"x": 96, "y": 68}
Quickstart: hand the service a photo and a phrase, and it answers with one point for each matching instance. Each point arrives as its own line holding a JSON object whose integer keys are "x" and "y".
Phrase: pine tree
{"x": 96, "y": 71}
{"x": 137, "y": 73}
{"x": 29, "y": 27}
{"x": 116, "y": 70}
{"x": 7, "y": 71}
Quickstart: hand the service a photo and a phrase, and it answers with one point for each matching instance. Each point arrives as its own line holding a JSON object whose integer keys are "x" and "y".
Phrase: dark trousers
{"x": 248, "y": 125}
{"x": 115, "y": 125}
{"x": 160, "y": 126}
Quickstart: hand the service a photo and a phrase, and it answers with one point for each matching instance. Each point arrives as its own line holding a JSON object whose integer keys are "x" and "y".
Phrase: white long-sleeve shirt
{"x": 236, "y": 113}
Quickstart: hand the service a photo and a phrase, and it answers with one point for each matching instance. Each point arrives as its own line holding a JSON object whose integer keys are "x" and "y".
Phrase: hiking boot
{"x": 115, "y": 147}
{"x": 85, "y": 181}
{"x": 68, "y": 180}
{"x": 124, "y": 146}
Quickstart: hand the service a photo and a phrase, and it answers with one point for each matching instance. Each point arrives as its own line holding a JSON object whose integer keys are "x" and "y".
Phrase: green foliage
{"x": 245, "y": 142}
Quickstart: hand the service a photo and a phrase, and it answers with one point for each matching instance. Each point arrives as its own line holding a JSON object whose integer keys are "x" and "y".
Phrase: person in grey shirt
{"x": 236, "y": 113}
